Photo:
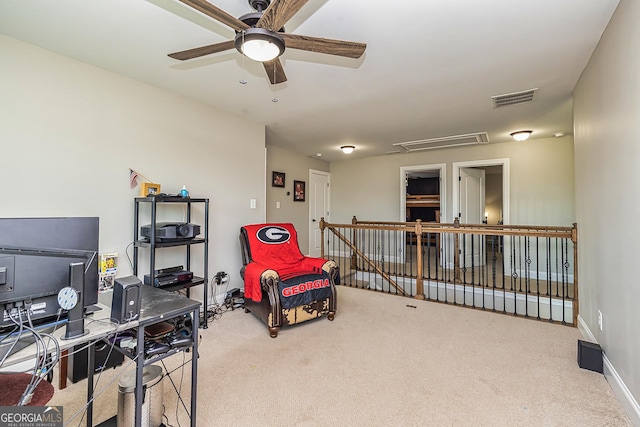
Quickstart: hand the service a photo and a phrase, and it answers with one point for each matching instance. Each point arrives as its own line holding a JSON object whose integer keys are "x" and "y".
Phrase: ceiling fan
{"x": 260, "y": 35}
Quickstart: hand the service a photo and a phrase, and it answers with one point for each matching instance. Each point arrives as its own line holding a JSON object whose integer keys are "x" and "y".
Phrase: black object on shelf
{"x": 151, "y": 243}
{"x": 77, "y": 368}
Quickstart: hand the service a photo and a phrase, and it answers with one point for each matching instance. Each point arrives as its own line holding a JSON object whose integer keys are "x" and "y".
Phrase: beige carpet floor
{"x": 384, "y": 361}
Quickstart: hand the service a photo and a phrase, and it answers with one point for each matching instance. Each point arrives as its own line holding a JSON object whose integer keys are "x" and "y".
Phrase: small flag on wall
{"x": 133, "y": 178}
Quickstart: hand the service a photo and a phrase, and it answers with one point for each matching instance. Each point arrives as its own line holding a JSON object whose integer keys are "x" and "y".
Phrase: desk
{"x": 156, "y": 306}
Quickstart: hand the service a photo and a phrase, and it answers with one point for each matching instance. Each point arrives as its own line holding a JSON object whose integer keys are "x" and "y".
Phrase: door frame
{"x": 404, "y": 170}
{"x": 442, "y": 169}
{"x": 328, "y": 201}
{"x": 455, "y": 171}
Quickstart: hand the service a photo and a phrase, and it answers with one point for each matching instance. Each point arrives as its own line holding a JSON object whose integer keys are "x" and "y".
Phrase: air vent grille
{"x": 445, "y": 142}
{"x": 513, "y": 98}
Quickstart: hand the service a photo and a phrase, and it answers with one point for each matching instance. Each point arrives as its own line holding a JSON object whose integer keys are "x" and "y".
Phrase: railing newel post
{"x": 322, "y": 226}
{"x": 354, "y": 239}
{"x": 456, "y": 252}
{"x": 419, "y": 279}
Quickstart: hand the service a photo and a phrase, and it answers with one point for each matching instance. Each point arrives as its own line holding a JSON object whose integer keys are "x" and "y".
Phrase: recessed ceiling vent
{"x": 445, "y": 142}
{"x": 513, "y": 98}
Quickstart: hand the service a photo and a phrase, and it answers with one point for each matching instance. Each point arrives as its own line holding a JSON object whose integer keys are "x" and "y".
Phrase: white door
{"x": 318, "y": 208}
{"x": 472, "y": 187}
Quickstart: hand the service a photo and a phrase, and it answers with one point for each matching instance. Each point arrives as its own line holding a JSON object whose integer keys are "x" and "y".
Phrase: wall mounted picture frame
{"x": 149, "y": 189}
{"x": 277, "y": 179}
{"x": 299, "y": 191}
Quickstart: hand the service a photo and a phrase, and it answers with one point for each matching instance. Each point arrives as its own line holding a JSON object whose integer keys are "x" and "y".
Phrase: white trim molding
{"x": 628, "y": 402}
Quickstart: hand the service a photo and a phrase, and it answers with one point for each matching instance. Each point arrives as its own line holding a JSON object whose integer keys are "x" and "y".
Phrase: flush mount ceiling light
{"x": 521, "y": 135}
{"x": 259, "y": 44}
{"x": 347, "y": 149}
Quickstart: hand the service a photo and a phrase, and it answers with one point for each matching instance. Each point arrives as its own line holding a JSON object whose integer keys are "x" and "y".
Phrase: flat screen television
{"x": 35, "y": 259}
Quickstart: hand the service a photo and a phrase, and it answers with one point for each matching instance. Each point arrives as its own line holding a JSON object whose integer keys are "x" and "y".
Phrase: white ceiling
{"x": 430, "y": 68}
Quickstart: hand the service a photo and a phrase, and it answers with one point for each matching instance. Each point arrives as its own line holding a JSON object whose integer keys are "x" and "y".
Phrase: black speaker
{"x": 77, "y": 367}
{"x": 125, "y": 305}
{"x": 590, "y": 356}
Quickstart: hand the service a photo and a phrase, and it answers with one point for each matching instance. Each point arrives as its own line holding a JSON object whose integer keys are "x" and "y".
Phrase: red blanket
{"x": 275, "y": 247}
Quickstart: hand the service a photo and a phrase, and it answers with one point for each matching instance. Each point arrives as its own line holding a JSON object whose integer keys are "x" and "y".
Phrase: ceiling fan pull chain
{"x": 242, "y": 80}
{"x": 275, "y": 99}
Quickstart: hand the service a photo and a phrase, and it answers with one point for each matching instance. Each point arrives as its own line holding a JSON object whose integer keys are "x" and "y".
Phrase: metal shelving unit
{"x": 152, "y": 245}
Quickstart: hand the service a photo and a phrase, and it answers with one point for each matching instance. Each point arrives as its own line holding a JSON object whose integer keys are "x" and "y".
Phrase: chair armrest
{"x": 333, "y": 270}
{"x": 329, "y": 266}
{"x": 244, "y": 247}
{"x": 269, "y": 278}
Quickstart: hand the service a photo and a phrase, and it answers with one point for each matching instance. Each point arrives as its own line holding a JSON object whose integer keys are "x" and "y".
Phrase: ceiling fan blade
{"x": 275, "y": 72}
{"x": 278, "y": 13}
{"x": 322, "y": 45}
{"x": 203, "y": 50}
{"x": 216, "y": 13}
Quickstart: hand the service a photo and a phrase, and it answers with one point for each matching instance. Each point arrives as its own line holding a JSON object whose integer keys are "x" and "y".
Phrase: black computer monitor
{"x": 35, "y": 259}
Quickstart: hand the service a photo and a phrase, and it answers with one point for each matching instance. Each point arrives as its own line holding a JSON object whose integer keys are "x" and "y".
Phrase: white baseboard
{"x": 628, "y": 402}
{"x": 585, "y": 331}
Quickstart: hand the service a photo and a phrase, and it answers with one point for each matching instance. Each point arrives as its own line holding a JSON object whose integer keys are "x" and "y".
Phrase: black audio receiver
{"x": 172, "y": 278}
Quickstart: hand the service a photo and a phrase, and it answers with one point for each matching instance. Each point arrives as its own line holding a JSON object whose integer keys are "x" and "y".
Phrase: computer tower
{"x": 77, "y": 367}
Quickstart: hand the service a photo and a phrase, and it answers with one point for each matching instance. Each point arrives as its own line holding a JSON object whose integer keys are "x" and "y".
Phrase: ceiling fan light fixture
{"x": 259, "y": 44}
{"x": 347, "y": 149}
{"x": 521, "y": 135}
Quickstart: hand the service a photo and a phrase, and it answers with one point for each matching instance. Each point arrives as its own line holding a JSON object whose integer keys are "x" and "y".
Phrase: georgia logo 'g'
{"x": 273, "y": 235}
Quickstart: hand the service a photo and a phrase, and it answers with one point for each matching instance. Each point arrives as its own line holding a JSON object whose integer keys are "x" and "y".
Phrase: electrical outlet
{"x": 600, "y": 319}
{"x": 220, "y": 278}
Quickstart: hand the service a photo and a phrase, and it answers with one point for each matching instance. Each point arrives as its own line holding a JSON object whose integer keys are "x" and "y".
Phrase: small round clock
{"x": 68, "y": 298}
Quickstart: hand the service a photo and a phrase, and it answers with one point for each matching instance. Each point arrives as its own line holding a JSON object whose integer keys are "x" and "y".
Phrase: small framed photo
{"x": 277, "y": 179}
{"x": 149, "y": 189}
{"x": 298, "y": 191}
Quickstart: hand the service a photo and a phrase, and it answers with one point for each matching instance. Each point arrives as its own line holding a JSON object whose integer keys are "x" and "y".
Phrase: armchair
{"x": 282, "y": 286}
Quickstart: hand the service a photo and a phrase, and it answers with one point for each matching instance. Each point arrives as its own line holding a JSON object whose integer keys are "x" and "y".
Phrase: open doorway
{"x": 480, "y": 195}
{"x": 422, "y": 196}
{"x": 495, "y": 208}
{"x": 428, "y": 181}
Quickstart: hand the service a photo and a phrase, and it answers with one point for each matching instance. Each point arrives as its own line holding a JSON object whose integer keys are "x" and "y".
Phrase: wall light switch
{"x": 277, "y": 205}
{"x": 253, "y": 203}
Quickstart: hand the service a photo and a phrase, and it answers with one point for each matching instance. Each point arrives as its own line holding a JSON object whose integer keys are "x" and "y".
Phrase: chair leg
{"x": 331, "y": 315}
{"x": 273, "y": 331}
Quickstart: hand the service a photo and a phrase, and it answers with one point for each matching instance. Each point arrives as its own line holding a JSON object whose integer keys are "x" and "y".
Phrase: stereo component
{"x": 171, "y": 231}
{"x": 168, "y": 279}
